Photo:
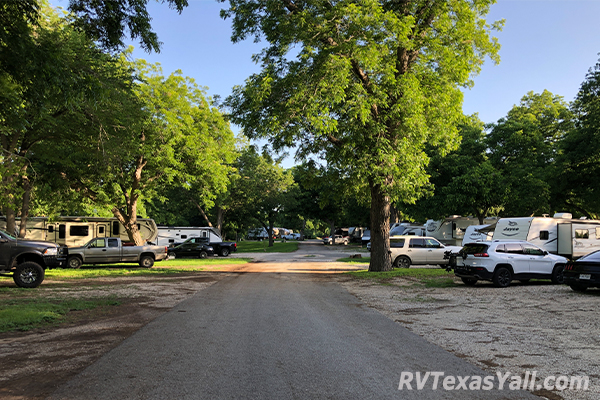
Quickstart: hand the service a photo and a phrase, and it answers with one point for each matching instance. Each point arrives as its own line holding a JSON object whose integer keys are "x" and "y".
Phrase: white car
{"x": 416, "y": 250}
{"x": 502, "y": 261}
{"x": 339, "y": 239}
{"x": 292, "y": 236}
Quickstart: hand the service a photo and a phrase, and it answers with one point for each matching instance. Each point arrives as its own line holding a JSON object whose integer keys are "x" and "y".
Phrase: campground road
{"x": 271, "y": 336}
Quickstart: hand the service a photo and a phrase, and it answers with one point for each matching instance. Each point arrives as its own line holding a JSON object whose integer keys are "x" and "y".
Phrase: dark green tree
{"x": 363, "y": 84}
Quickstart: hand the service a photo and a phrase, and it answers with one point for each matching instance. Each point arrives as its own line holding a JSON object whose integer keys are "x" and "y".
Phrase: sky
{"x": 546, "y": 44}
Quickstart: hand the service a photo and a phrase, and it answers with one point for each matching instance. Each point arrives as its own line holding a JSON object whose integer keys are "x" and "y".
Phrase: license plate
{"x": 585, "y": 276}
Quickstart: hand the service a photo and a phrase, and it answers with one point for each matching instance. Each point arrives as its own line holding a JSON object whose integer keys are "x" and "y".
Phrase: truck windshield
{"x": 7, "y": 234}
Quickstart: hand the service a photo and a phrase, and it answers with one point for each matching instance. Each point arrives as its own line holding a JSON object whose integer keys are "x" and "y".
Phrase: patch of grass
{"x": 364, "y": 260}
{"x": 26, "y": 314}
{"x": 401, "y": 272}
{"x": 260, "y": 247}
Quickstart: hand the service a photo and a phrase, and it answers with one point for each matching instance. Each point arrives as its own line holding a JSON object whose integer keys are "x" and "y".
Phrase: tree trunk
{"x": 303, "y": 228}
{"x": 271, "y": 223}
{"x": 332, "y": 231}
{"x": 11, "y": 224}
{"x": 380, "y": 230}
{"x": 220, "y": 220}
{"x": 130, "y": 224}
{"x": 25, "y": 206}
{"x": 202, "y": 212}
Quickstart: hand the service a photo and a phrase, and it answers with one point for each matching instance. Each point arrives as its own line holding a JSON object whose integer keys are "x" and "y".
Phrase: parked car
{"x": 584, "y": 272}
{"x": 339, "y": 239}
{"x": 221, "y": 248}
{"x": 111, "y": 250}
{"x": 292, "y": 236}
{"x": 366, "y": 237}
{"x": 415, "y": 250}
{"x": 27, "y": 260}
{"x": 503, "y": 261}
{"x": 191, "y": 249}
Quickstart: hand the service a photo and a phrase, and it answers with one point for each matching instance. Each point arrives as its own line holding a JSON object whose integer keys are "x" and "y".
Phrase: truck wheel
{"x": 558, "y": 274}
{"x": 203, "y": 254}
{"x": 74, "y": 262}
{"x": 224, "y": 252}
{"x": 402, "y": 262}
{"x": 28, "y": 275}
{"x": 146, "y": 262}
{"x": 578, "y": 288}
{"x": 171, "y": 255}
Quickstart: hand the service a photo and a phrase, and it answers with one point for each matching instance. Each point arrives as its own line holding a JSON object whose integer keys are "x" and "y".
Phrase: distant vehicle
{"x": 366, "y": 237}
{"x": 584, "y": 272}
{"x": 414, "y": 250}
{"x": 175, "y": 235}
{"x": 451, "y": 230}
{"x": 476, "y": 233}
{"x": 502, "y": 261}
{"x": 111, "y": 250}
{"x": 339, "y": 239}
{"x": 222, "y": 249}
{"x": 27, "y": 260}
{"x": 407, "y": 230}
{"x": 77, "y": 231}
{"x": 191, "y": 249}
{"x": 292, "y": 236}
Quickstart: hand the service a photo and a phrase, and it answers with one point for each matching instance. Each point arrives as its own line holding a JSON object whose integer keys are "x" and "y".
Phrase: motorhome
{"x": 475, "y": 233}
{"x": 77, "y": 231}
{"x": 451, "y": 231}
{"x": 561, "y": 234}
{"x": 407, "y": 229}
{"x": 174, "y": 235}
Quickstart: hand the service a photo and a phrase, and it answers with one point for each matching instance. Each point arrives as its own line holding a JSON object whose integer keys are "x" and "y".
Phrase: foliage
{"x": 107, "y": 21}
{"x": 580, "y": 160}
{"x": 363, "y": 85}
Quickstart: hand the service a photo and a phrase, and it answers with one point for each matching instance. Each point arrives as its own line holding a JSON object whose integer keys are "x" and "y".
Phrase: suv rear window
{"x": 475, "y": 248}
{"x": 397, "y": 243}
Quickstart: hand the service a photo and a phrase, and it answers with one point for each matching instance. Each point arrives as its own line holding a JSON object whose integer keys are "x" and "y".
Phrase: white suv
{"x": 502, "y": 261}
{"x": 409, "y": 249}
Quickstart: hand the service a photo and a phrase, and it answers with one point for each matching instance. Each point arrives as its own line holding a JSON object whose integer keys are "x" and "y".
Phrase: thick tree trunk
{"x": 25, "y": 206}
{"x": 130, "y": 224}
{"x": 332, "y": 231}
{"x": 11, "y": 223}
{"x": 380, "y": 230}
{"x": 220, "y": 220}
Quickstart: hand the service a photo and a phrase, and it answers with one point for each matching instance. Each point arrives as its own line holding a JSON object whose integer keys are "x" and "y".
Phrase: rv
{"x": 77, "y": 231}
{"x": 562, "y": 235}
{"x": 407, "y": 229}
{"x": 174, "y": 235}
{"x": 451, "y": 231}
{"x": 475, "y": 233}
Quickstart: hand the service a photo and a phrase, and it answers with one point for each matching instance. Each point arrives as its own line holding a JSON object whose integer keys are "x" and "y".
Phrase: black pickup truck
{"x": 27, "y": 260}
{"x": 221, "y": 248}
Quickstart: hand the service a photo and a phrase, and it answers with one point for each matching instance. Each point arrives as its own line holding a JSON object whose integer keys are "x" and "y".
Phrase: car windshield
{"x": 474, "y": 248}
{"x": 7, "y": 234}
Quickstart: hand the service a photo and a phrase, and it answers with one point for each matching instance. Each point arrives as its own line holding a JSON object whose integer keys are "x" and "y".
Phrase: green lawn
{"x": 422, "y": 277}
{"x": 364, "y": 260}
{"x": 28, "y": 313}
{"x": 251, "y": 246}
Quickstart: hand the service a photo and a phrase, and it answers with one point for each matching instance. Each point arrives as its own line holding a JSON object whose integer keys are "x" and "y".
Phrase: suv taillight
{"x": 481, "y": 255}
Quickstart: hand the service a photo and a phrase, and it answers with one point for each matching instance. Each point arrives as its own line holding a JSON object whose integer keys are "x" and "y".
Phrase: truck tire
{"x": 203, "y": 254}
{"x": 146, "y": 261}
{"x": 28, "y": 275}
{"x": 74, "y": 262}
{"x": 224, "y": 252}
{"x": 171, "y": 255}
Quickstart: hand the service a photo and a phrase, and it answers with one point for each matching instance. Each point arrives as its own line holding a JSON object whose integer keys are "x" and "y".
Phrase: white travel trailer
{"x": 562, "y": 235}
{"x": 174, "y": 235}
{"x": 451, "y": 231}
{"x": 77, "y": 231}
{"x": 476, "y": 233}
{"x": 407, "y": 229}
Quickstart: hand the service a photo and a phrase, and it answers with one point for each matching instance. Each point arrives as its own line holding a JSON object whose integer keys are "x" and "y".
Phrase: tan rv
{"x": 77, "y": 231}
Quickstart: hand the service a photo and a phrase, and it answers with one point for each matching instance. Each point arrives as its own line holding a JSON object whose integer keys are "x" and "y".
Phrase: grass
{"x": 25, "y": 314}
{"x": 364, "y": 260}
{"x": 260, "y": 247}
{"x": 424, "y": 277}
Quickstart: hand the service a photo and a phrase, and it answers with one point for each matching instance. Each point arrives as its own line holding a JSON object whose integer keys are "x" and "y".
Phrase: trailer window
{"x": 79, "y": 230}
{"x": 544, "y": 235}
{"x": 100, "y": 230}
{"x": 51, "y": 229}
{"x": 597, "y": 233}
{"x": 184, "y": 236}
{"x": 116, "y": 226}
{"x": 62, "y": 231}
{"x": 582, "y": 234}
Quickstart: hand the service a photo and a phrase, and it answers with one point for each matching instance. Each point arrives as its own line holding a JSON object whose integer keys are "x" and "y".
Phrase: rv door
{"x": 565, "y": 240}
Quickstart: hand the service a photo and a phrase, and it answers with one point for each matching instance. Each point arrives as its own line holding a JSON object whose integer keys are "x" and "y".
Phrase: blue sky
{"x": 546, "y": 44}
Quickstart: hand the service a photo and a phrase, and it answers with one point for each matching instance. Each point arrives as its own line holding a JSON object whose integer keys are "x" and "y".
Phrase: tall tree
{"x": 580, "y": 161}
{"x": 364, "y": 84}
{"x": 523, "y": 146}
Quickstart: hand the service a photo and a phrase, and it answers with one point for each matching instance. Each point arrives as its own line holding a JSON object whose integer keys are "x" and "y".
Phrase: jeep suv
{"x": 502, "y": 261}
